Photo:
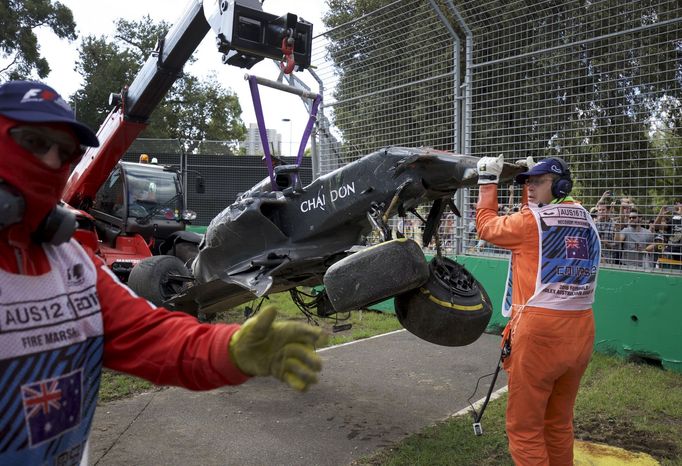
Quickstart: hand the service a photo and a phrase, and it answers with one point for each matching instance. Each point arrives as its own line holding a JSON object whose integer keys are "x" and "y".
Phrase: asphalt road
{"x": 372, "y": 393}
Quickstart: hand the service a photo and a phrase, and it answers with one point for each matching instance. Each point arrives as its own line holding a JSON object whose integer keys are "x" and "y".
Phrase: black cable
{"x": 478, "y": 429}
{"x": 473, "y": 394}
{"x": 308, "y": 308}
{"x": 305, "y": 308}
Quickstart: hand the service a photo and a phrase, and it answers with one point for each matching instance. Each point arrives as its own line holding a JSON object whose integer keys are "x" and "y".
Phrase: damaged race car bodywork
{"x": 272, "y": 240}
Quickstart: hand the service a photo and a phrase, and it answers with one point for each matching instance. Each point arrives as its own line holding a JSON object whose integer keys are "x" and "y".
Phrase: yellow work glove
{"x": 285, "y": 350}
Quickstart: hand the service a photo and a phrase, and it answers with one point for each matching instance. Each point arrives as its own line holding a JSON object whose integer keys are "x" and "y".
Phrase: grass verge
{"x": 115, "y": 386}
{"x": 632, "y": 406}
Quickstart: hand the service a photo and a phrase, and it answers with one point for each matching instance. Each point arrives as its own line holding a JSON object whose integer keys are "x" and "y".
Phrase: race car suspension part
{"x": 376, "y": 217}
{"x": 433, "y": 221}
{"x": 395, "y": 200}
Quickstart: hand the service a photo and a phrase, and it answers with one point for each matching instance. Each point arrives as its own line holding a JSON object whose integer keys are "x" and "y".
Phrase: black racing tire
{"x": 374, "y": 274}
{"x": 186, "y": 251}
{"x": 451, "y": 309}
{"x": 152, "y": 278}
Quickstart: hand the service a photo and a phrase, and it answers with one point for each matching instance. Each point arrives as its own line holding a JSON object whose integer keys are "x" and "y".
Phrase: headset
{"x": 562, "y": 186}
{"x": 56, "y": 228}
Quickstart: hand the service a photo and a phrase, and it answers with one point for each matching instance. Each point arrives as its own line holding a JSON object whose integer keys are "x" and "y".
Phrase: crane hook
{"x": 287, "y": 64}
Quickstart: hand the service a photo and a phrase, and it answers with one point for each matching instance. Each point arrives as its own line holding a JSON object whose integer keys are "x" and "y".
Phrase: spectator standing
{"x": 626, "y": 206}
{"x": 669, "y": 224}
{"x": 635, "y": 240}
{"x": 607, "y": 233}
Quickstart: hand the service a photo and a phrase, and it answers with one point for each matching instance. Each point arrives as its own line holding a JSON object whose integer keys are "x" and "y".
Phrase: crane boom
{"x": 245, "y": 35}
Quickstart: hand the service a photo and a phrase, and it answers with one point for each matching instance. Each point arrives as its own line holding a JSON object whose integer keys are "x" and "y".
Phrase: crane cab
{"x": 138, "y": 208}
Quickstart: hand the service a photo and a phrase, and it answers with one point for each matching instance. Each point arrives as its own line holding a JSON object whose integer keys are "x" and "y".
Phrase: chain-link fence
{"x": 598, "y": 83}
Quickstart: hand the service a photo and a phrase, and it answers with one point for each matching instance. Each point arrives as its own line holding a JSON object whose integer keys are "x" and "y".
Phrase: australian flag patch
{"x": 52, "y": 406}
{"x": 576, "y": 247}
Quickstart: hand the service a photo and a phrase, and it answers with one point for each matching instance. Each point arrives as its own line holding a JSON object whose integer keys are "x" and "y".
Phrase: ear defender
{"x": 57, "y": 227}
{"x": 561, "y": 187}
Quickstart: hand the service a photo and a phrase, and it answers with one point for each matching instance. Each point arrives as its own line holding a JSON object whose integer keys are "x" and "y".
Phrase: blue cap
{"x": 34, "y": 102}
{"x": 542, "y": 167}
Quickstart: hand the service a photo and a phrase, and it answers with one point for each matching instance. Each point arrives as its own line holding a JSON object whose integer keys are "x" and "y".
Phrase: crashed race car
{"x": 280, "y": 235}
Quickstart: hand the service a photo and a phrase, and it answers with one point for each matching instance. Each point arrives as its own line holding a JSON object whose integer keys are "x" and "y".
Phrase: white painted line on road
{"x": 360, "y": 340}
{"x": 495, "y": 395}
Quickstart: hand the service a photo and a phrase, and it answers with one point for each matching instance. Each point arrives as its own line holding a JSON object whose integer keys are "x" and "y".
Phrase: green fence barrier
{"x": 196, "y": 229}
{"x": 637, "y": 315}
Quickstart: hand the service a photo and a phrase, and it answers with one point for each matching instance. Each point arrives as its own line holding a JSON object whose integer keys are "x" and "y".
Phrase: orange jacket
{"x": 517, "y": 232}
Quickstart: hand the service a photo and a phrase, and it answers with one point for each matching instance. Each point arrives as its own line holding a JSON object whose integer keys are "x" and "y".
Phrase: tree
{"x": 375, "y": 52}
{"x": 105, "y": 68}
{"x": 19, "y": 48}
{"x": 194, "y": 109}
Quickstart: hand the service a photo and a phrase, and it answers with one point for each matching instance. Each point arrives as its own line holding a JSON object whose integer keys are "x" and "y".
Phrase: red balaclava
{"x": 27, "y": 103}
{"x": 39, "y": 185}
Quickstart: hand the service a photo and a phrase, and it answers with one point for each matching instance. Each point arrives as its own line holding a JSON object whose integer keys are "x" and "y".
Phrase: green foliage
{"x": 611, "y": 106}
{"x": 194, "y": 109}
{"x": 593, "y": 102}
{"x": 370, "y": 54}
{"x": 19, "y": 48}
{"x": 104, "y": 67}
{"x": 115, "y": 386}
{"x": 343, "y": 11}
{"x": 202, "y": 110}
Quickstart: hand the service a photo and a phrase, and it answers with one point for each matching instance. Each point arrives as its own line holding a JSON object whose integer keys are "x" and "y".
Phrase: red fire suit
{"x": 64, "y": 315}
{"x": 166, "y": 348}
{"x": 551, "y": 343}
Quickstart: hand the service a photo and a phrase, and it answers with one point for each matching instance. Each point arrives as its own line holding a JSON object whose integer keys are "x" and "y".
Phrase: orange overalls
{"x": 555, "y": 256}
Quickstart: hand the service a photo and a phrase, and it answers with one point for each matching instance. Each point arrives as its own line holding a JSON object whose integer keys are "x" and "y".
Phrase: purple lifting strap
{"x": 255, "y": 95}
{"x": 308, "y": 129}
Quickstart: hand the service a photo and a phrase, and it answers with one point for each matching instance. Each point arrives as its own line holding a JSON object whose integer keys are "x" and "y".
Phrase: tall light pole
{"x": 288, "y": 120}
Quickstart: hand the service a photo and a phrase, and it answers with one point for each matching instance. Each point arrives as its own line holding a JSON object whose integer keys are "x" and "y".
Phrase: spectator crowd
{"x": 631, "y": 239}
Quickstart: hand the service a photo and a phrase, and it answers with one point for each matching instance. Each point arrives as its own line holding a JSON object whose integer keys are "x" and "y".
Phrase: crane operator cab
{"x": 143, "y": 199}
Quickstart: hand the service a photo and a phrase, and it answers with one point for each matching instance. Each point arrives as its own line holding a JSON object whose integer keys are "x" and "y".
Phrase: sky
{"x": 98, "y": 17}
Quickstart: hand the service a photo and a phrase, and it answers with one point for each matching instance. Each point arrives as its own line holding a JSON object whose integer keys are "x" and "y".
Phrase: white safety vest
{"x": 568, "y": 260}
{"x": 51, "y": 349}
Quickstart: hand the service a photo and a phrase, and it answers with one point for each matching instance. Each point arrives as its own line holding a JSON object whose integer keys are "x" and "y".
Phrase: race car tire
{"x": 451, "y": 309}
{"x": 153, "y": 278}
{"x": 186, "y": 251}
{"x": 375, "y": 273}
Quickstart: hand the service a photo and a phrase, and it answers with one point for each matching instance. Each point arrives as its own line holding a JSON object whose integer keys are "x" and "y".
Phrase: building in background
{"x": 253, "y": 145}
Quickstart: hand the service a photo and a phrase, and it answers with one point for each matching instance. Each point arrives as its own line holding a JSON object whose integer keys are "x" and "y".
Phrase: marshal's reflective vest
{"x": 569, "y": 257}
{"x": 51, "y": 349}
